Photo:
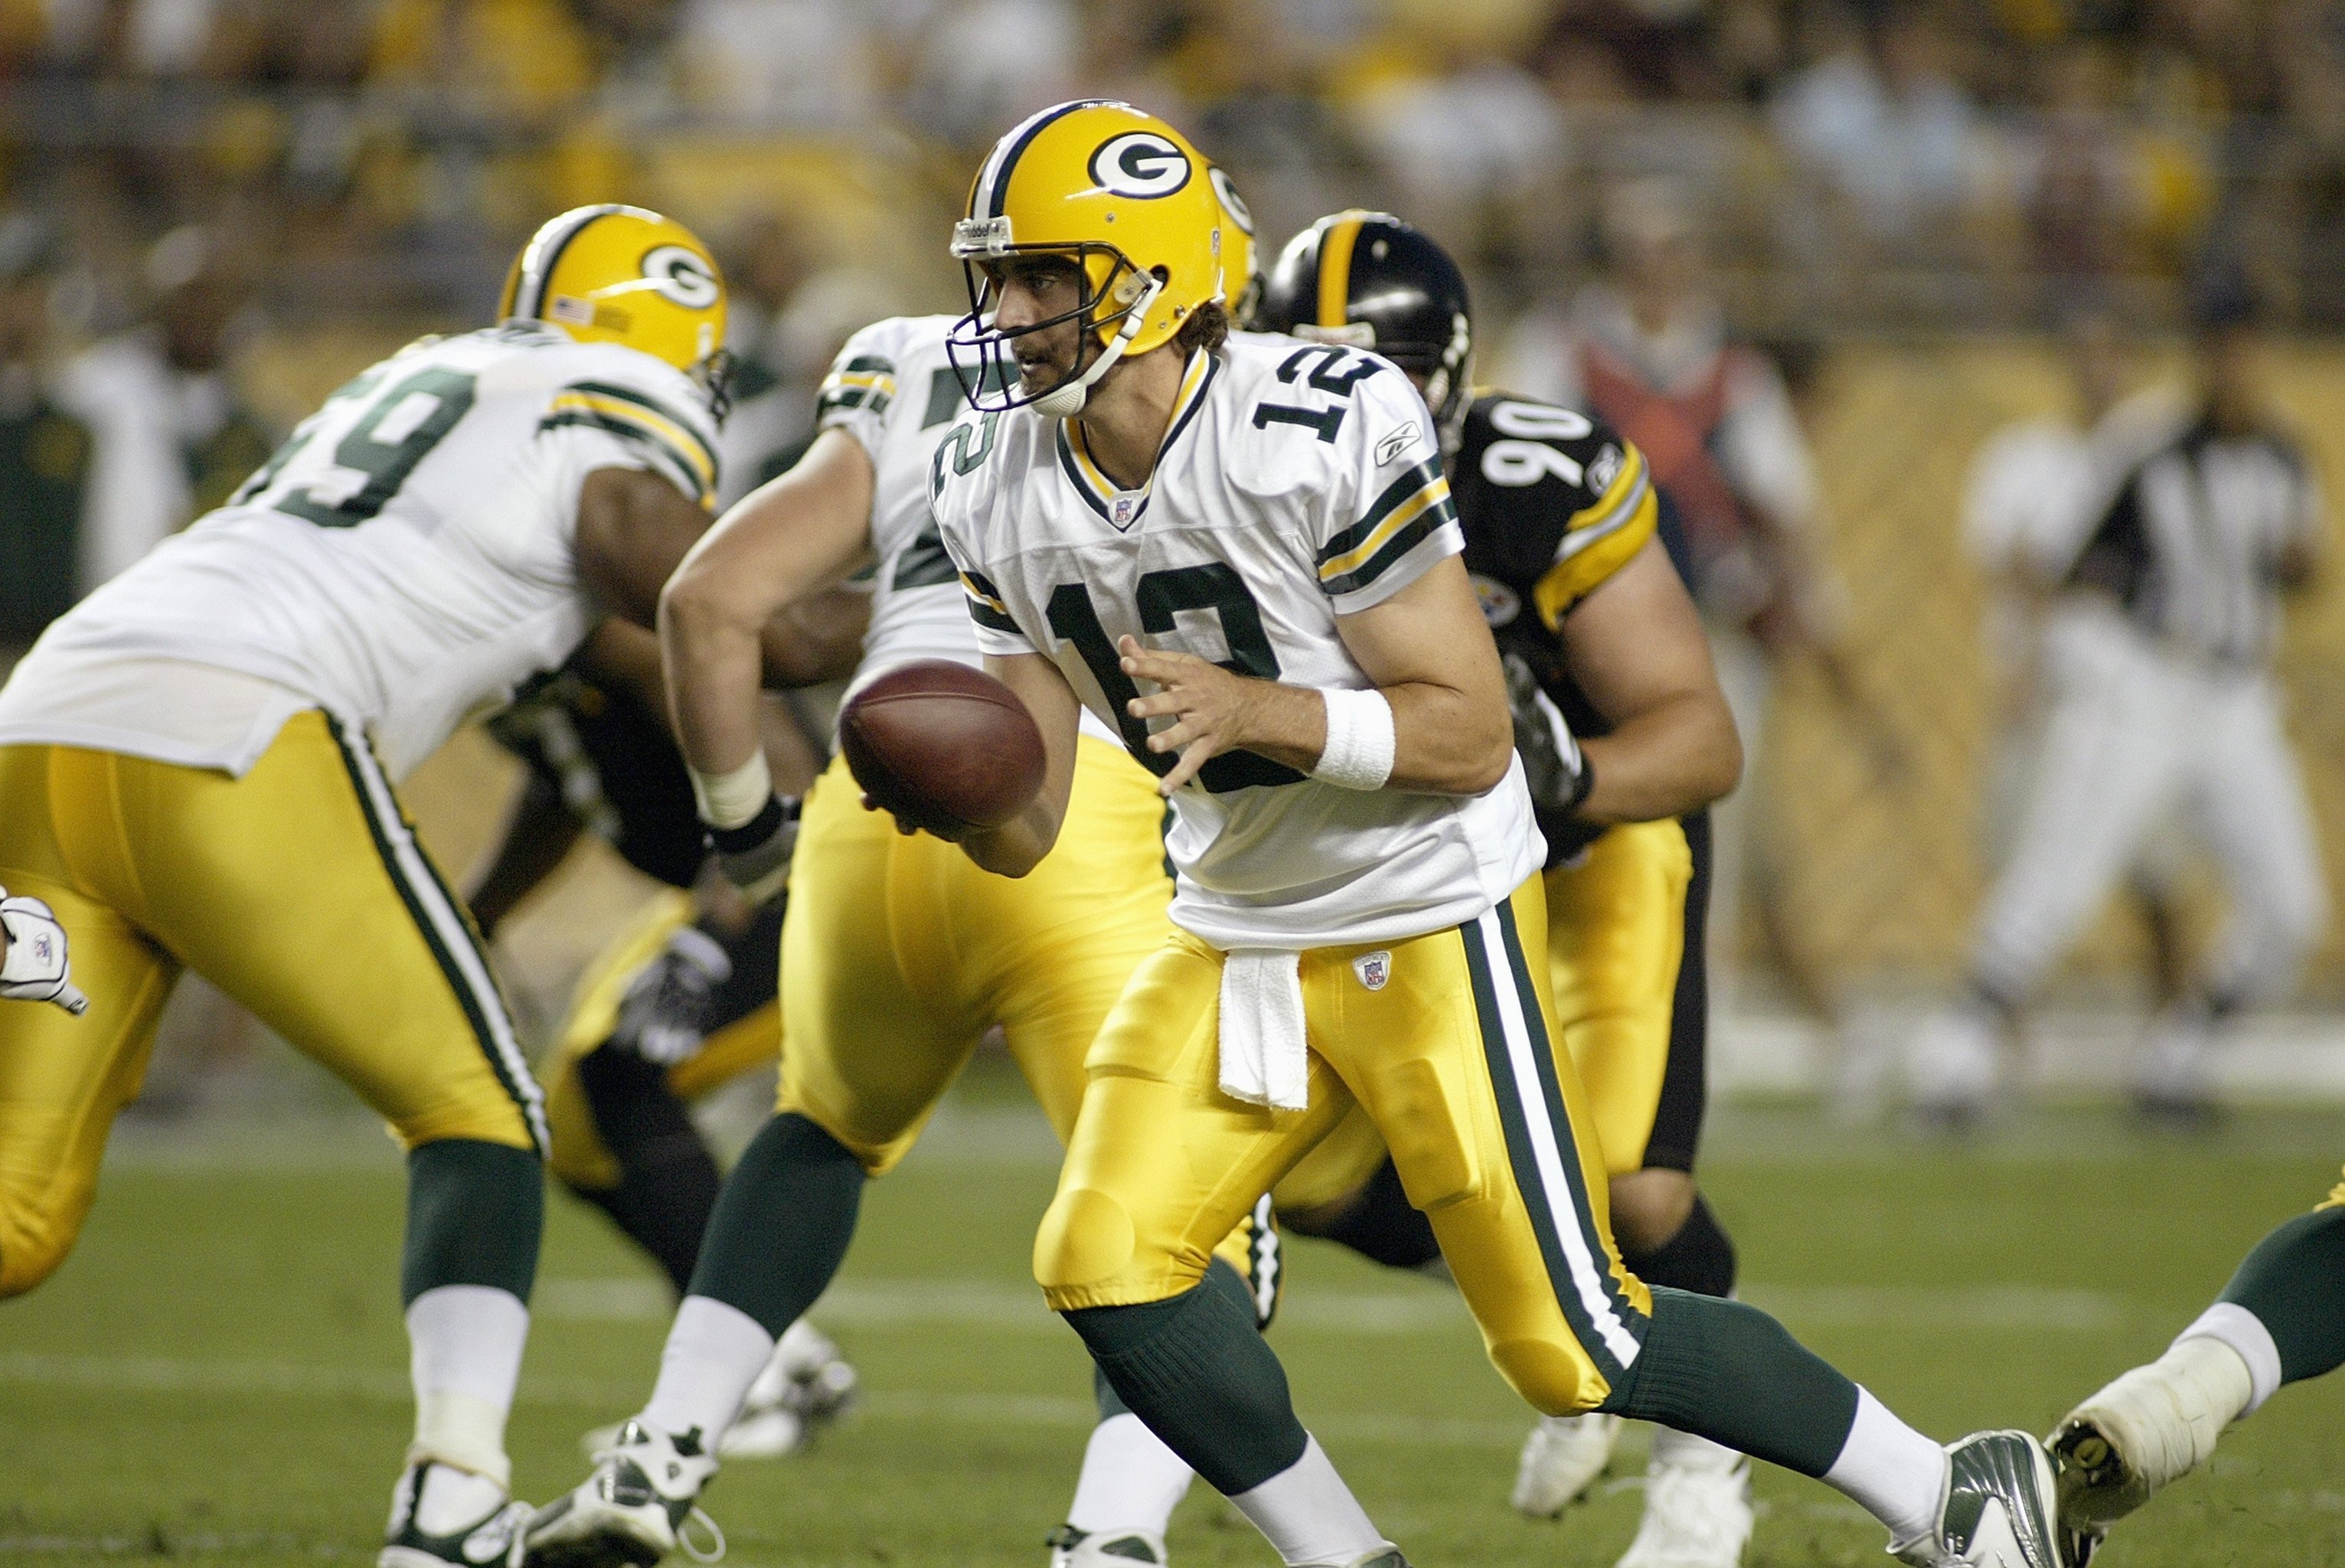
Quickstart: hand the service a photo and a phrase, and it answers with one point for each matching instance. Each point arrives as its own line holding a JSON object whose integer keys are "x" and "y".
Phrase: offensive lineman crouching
{"x": 196, "y": 769}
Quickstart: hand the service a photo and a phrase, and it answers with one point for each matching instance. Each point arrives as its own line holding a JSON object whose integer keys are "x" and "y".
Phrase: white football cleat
{"x": 636, "y": 1508}
{"x": 1562, "y": 1460}
{"x": 1955, "y": 1067}
{"x": 439, "y": 1515}
{"x": 1697, "y": 1505}
{"x": 2152, "y": 1426}
{"x": 1998, "y": 1510}
{"x": 1074, "y": 1548}
{"x": 805, "y": 1386}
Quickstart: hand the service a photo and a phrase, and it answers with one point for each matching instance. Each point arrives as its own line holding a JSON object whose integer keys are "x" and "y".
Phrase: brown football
{"x": 942, "y": 746}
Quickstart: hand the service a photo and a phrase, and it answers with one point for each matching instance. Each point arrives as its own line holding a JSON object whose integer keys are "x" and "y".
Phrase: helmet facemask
{"x": 1114, "y": 298}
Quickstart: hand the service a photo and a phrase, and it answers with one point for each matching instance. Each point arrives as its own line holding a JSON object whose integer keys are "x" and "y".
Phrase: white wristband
{"x": 731, "y": 799}
{"x": 1359, "y": 750}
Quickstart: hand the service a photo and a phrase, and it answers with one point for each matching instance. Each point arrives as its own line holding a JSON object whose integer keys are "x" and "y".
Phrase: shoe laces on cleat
{"x": 698, "y": 1553}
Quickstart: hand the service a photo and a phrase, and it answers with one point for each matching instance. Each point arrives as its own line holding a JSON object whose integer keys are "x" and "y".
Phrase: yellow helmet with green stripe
{"x": 1123, "y": 197}
{"x": 613, "y": 274}
{"x": 1241, "y": 257}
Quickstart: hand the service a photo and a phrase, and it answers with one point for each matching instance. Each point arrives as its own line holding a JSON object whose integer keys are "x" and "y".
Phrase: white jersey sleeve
{"x": 1387, "y": 517}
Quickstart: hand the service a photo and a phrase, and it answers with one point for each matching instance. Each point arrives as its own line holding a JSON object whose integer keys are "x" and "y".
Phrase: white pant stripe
{"x": 448, "y": 923}
{"x": 1587, "y": 1272}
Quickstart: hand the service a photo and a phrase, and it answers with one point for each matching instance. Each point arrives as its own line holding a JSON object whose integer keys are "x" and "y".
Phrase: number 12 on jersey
{"x": 1161, "y": 595}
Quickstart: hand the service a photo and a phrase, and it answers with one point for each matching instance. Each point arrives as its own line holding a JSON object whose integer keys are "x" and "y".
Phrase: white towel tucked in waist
{"x": 1264, "y": 1057}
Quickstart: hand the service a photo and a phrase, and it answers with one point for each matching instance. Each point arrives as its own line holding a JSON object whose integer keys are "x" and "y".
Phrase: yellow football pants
{"x": 1616, "y": 940}
{"x": 898, "y": 953}
{"x": 300, "y": 890}
{"x": 1444, "y": 1041}
{"x": 577, "y": 1154}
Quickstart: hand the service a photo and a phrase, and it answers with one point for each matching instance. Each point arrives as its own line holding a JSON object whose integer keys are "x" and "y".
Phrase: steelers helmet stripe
{"x": 1335, "y": 243}
{"x": 993, "y": 179}
{"x": 545, "y": 253}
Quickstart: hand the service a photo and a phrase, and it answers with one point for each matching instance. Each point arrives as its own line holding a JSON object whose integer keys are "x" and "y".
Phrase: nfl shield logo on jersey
{"x": 1374, "y": 968}
{"x": 1120, "y": 511}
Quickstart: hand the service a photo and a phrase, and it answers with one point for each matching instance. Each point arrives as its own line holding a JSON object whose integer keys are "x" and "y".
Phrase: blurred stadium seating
{"x": 1907, "y": 193}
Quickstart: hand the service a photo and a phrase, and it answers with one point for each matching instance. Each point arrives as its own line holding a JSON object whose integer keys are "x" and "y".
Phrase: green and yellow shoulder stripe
{"x": 1402, "y": 517}
{"x": 673, "y": 440}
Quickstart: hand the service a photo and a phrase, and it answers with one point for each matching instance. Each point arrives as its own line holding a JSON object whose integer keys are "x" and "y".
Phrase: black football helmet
{"x": 1368, "y": 280}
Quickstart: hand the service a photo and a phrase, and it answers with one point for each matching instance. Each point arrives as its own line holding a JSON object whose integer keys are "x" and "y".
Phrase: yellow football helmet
{"x": 613, "y": 274}
{"x": 1119, "y": 193}
{"x": 1241, "y": 258}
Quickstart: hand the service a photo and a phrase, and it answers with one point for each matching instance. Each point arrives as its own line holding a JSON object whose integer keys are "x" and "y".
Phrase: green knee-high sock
{"x": 781, "y": 1223}
{"x": 1732, "y": 1374}
{"x": 1198, "y": 1371}
{"x": 2294, "y": 1282}
{"x": 475, "y": 1212}
{"x": 1219, "y": 1276}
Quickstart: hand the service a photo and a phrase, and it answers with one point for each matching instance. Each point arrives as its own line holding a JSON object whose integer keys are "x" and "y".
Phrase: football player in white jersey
{"x": 1244, "y": 554}
{"x": 198, "y": 767}
{"x": 897, "y": 954}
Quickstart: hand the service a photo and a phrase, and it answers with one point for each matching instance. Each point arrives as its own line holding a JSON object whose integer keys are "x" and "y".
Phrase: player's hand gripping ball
{"x": 942, "y": 747}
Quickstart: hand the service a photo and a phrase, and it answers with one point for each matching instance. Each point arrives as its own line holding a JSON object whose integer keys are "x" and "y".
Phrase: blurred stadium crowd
{"x": 212, "y": 211}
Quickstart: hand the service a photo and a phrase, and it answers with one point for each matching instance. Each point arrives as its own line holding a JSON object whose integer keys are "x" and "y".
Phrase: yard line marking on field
{"x": 998, "y": 1305}
{"x": 159, "y": 1374}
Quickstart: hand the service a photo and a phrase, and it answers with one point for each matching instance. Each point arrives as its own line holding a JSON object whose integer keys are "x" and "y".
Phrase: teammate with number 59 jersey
{"x": 196, "y": 767}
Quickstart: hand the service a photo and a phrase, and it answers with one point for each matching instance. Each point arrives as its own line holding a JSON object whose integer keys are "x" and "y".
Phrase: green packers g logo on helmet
{"x": 681, "y": 276}
{"x": 1140, "y": 164}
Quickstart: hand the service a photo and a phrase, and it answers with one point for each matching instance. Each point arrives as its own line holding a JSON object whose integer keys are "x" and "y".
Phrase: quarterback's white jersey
{"x": 895, "y": 391}
{"x": 1298, "y": 482}
{"x": 406, "y": 558}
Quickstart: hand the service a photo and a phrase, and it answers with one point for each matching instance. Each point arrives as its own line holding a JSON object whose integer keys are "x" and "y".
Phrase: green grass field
{"x": 218, "y": 1375}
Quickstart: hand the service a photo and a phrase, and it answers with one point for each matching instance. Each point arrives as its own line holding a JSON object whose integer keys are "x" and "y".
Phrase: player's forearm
{"x": 1676, "y": 757}
{"x": 1442, "y": 742}
{"x": 715, "y": 662}
{"x": 1447, "y": 741}
{"x": 1017, "y": 846}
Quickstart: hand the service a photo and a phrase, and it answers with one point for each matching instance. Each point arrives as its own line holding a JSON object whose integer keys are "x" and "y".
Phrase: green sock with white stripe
{"x": 2290, "y": 1282}
{"x": 1732, "y": 1374}
{"x": 1196, "y": 1370}
{"x": 475, "y": 1211}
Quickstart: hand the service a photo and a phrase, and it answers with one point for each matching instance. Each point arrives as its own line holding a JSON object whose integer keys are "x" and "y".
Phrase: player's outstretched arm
{"x": 778, "y": 547}
{"x": 1018, "y": 846}
{"x": 1425, "y": 649}
{"x": 1637, "y": 649}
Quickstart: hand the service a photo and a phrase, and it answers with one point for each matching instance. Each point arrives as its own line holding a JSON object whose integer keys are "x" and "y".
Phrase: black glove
{"x": 1553, "y": 765}
{"x": 755, "y": 856}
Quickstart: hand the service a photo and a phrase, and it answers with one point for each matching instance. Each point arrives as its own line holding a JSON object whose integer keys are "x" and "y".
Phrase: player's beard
{"x": 1056, "y": 367}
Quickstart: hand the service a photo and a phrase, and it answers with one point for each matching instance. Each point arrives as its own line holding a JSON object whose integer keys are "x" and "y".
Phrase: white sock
{"x": 714, "y": 1353}
{"x": 1684, "y": 1450}
{"x": 1899, "y": 1475}
{"x": 1309, "y": 1515}
{"x": 2228, "y": 1323}
{"x": 454, "y": 1500}
{"x": 464, "y": 1345}
{"x": 1130, "y": 1481}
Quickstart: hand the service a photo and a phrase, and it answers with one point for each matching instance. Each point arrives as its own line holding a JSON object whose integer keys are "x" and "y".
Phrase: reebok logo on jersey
{"x": 1374, "y": 968}
{"x": 1390, "y": 450}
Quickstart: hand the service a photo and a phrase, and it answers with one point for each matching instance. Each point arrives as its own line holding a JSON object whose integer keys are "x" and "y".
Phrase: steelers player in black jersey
{"x": 1625, "y": 738}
